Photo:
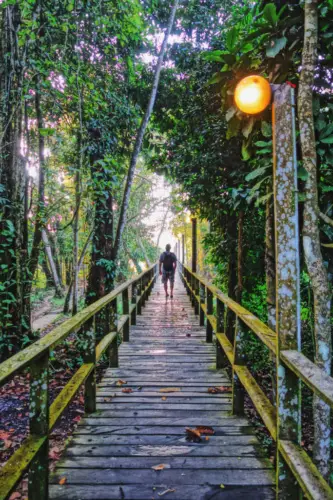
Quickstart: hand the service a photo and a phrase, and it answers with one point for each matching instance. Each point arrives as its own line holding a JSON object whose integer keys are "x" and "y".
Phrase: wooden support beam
{"x": 194, "y": 244}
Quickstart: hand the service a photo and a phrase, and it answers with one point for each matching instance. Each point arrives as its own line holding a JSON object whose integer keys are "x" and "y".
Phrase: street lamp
{"x": 252, "y": 95}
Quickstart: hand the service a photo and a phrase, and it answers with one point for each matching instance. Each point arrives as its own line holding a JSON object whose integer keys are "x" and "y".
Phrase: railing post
{"x": 133, "y": 301}
{"x": 88, "y": 334}
{"x": 202, "y": 297}
{"x": 195, "y": 295}
{"x": 113, "y": 349}
{"x": 194, "y": 245}
{"x": 221, "y": 358}
{"x": 139, "y": 298}
{"x": 209, "y": 304}
{"x": 39, "y": 426}
{"x": 239, "y": 359}
{"x": 288, "y": 324}
{"x": 183, "y": 248}
{"x": 126, "y": 328}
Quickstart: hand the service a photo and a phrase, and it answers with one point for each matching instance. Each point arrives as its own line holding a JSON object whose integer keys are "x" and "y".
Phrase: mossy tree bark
{"x": 311, "y": 236}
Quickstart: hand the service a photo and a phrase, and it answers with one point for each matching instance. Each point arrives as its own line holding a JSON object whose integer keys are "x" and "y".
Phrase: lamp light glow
{"x": 253, "y": 94}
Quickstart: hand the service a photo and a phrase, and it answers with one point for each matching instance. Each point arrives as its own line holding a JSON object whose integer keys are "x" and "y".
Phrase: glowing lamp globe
{"x": 253, "y": 94}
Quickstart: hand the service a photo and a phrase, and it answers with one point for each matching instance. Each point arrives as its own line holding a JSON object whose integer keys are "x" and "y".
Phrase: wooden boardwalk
{"x": 114, "y": 450}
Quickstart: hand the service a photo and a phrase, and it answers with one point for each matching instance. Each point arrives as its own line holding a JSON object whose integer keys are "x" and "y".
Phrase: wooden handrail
{"x": 300, "y": 464}
{"x": 32, "y": 455}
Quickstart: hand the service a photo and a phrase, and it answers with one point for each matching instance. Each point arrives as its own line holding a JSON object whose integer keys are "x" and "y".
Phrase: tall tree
{"x": 311, "y": 236}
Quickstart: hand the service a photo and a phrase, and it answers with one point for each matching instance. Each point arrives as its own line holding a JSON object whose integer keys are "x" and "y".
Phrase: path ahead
{"x": 114, "y": 450}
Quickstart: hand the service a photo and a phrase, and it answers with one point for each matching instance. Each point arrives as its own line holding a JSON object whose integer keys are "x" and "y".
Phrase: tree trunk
{"x": 79, "y": 264}
{"x": 139, "y": 241}
{"x": 311, "y": 239}
{"x": 161, "y": 231}
{"x": 55, "y": 277}
{"x": 141, "y": 133}
{"x": 75, "y": 277}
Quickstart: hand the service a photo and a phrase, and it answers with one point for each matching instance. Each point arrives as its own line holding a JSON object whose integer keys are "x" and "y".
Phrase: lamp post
{"x": 252, "y": 96}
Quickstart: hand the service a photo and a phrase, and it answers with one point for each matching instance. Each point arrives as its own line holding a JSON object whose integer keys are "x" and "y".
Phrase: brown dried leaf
{"x": 218, "y": 390}
{"x": 193, "y": 434}
{"x": 205, "y": 430}
{"x": 161, "y": 466}
{"x": 170, "y": 389}
{"x": 164, "y": 398}
{"x": 15, "y": 496}
{"x": 121, "y": 382}
{"x": 127, "y": 390}
{"x": 63, "y": 480}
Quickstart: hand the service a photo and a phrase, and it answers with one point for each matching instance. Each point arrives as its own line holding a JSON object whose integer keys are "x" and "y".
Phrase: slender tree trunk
{"x": 40, "y": 210}
{"x": 47, "y": 272}
{"x": 55, "y": 277}
{"x": 311, "y": 239}
{"x": 139, "y": 241}
{"x": 141, "y": 133}
{"x": 79, "y": 264}
{"x": 161, "y": 231}
{"x": 75, "y": 278}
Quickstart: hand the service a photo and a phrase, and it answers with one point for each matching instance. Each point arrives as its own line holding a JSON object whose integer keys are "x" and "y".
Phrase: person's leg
{"x": 165, "y": 282}
{"x": 172, "y": 283}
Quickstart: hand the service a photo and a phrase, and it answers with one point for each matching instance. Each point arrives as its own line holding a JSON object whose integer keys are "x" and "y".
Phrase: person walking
{"x": 168, "y": 261}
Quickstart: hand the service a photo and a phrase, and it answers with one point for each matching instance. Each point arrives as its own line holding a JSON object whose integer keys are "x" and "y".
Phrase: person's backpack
{"x": 168, "y": 261}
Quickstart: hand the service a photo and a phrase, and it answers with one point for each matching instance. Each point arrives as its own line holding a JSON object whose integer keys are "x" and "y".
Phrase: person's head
{"x": 168, "y": 247}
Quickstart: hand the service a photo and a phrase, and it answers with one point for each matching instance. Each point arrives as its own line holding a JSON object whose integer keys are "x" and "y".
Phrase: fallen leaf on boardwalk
{"x": 193, "y": 434}
{"x": 77, "y": 419}
{"x": 140, "y": 388}
{"x": 217, "y": 390}
{"x": 4, "y": 435}
{"x": 121, "y": 382}
{"x": 207, "y": 438}
{"x": 164, "y": 398}
{"x": 205, "y": 430}
{"x": 222, "y": 486}
{"x": 161, "y": 466}
{"x": 127, "y": 390}
{"x": 7, "y": 443}
{"x": 63, "y": 480}
{"x": 165, "y": 492}
{"x": 170, "y": 389}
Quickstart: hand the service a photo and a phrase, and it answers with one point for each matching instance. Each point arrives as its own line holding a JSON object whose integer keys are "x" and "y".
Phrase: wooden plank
{"x": 144, "y": 492}
{"x": 262, "y": 404}
{"x": 165, "y": 450}
{"x": 304, "y": 470}
{"x": 104, "y": 344}
{"x": 226, "y": 346}
{"x": 163, "y": 439}
{"x": 67, "y": 394}
{"x": 173, "y": 477}
{"x": 222, "y": 429}
{"x": 12, "y": 472}
{"x": 315, "y": 378}
{"x": 168, "y": 421}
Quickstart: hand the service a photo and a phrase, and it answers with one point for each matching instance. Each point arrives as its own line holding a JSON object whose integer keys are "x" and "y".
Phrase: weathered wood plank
{"x": 144, "y": 492}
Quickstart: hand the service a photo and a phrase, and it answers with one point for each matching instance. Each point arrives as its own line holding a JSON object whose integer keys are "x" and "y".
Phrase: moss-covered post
{"x": 288, "y": 324}
{"x": 183, "y": 248}
{"x": 139, "y": 292}
{"x": 202, "y": 297}
{"x": 221, "y": 359}
{"x": 39, "y": 426}
{"x": 133, "y": 301}
{"x": 88, "y": 336}
{"x": 126, "y": 329}
{"x": 239, "y": 359}
{"x": 209, "y": 304}
{"x": 113, "y": 349}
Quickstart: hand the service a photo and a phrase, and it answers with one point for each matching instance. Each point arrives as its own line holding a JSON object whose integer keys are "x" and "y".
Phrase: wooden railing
{"x": 33, "y": 452}
{"x": 231, "y": 324}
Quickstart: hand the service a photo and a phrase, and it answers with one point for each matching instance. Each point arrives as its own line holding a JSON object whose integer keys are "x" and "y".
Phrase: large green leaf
{"x": 255, "y": 173}
{"x": 232, "y": 38}
{"x": 327, "y": 140}
{"x": 275, "y": 46}
{"x": 270, "y": 14}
